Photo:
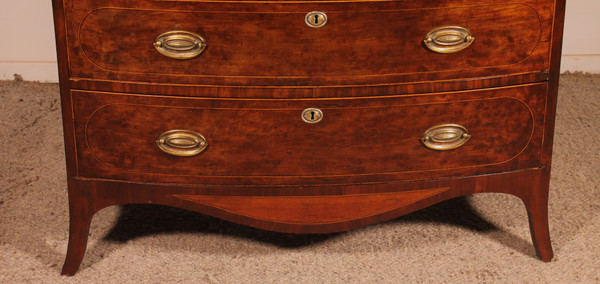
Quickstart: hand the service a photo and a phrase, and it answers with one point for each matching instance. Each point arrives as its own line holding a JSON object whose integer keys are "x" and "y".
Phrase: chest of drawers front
{"x": 306, "y": 117}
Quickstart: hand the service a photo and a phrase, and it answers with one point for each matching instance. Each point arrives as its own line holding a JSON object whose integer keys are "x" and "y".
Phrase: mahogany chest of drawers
{"x": 306, "y": 116}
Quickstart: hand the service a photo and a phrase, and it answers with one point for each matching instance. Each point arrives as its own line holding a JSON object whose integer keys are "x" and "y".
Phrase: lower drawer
{"x": 273, "y": 142}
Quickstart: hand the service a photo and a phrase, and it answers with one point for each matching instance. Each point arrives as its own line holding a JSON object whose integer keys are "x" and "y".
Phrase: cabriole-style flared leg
{"x": 536, "y": 203}
{"x": 80, "y": 215}
{"x": 538, "y": 223}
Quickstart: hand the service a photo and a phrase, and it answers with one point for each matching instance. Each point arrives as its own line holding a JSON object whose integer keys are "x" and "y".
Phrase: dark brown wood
{"x": 555, "y": 55}
{"x": 92, "y": 195}
{"x": 81, "y": 208}
{"x": 110, "y": 39}
{"x": 383, "y": 38}
{"x": 367, "y": 70}
{"x": 536, "y": 203}
{"x": 307, "y": 210}
{"x": 271, "y": 144}
{"x": 65, "y": 85}
{"x": 309, "y": 92}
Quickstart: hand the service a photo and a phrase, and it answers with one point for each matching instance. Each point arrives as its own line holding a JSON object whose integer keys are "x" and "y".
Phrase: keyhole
{"x": 312, "y": 115}
{"x": 315, "y": 19}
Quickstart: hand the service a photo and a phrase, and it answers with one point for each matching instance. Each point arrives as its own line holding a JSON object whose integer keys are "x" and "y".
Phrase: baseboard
{"x": 582, "y": 63}
{"x": 45, "y": 71}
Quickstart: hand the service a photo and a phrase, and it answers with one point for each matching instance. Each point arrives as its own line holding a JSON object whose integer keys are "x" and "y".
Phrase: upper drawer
{"x": 271, "y": 44}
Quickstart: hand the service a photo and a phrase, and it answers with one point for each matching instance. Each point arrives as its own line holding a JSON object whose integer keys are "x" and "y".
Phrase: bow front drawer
{"x": 306, "y": 44}
{"x": 277, "y": 141}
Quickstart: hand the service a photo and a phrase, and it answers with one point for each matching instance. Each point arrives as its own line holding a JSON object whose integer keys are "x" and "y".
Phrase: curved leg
{"x": 80, "y": 217}
{"x": 537, "y": 210}
{"x": 531, "y": 187}
{"x": 536, "y": 202}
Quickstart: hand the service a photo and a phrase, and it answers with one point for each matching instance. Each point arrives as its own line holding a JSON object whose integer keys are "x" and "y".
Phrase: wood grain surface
{"x": 367, "y": 69}
{"x": 268, "y": 44}
{"x": 358, "y": 140}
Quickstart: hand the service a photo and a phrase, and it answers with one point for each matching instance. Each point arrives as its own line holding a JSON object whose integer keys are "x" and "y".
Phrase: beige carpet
{"x": 482, "y": 238}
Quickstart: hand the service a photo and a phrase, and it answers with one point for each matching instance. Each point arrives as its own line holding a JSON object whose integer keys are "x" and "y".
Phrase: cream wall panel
{"x": 28, "y": 48}
{"x": 581, "y": 44}
{"x": 582, "y": 27}
{"x": 28, "y": 39}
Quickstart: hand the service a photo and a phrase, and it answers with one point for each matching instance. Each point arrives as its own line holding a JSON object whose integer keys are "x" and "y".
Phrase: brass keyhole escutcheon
{"x": 312, "y": 115}
{"x": 315, "y": 19}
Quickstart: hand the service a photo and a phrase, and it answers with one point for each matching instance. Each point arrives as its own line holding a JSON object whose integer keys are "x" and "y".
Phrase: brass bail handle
{"x": 445, "y": 137}
{"x": 180, "y": 44}
{"x": 181, "y": 143}
{"x": 448, "y": 39}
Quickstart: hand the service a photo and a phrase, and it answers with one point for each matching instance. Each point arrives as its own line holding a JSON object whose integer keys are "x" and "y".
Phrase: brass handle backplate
{"x": 445, "y": 137}
{"x": 180, "y": 44}
{"x": 448, "y": 39}
{"x": 182, "y": 143}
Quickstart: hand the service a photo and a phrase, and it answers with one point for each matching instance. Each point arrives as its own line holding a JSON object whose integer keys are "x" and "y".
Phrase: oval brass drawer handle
{"x": 448, "y": 39}
{"x": 180, "y": 44}
{"x": 445, "y": 137}
{"x": 182, "y": 143}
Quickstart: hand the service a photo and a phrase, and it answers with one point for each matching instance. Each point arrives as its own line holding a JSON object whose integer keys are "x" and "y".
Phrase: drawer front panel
{"x": 270, "y": 44}
{"x": 117, "y": 135}
{"x": 281, "y": 44}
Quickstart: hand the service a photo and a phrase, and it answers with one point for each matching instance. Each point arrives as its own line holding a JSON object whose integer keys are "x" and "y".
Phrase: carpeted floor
{"x": 480, "y": 238}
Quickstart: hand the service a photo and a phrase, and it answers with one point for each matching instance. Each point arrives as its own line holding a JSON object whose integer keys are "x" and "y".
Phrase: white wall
{"x": 581, "y": 45}
{"x": 27, "y": 39}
